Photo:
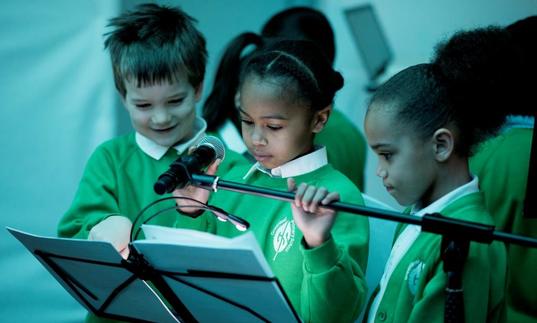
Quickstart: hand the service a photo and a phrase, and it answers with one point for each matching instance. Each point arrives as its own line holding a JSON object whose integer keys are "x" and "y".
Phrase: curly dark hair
{"x": 472, "y": 80}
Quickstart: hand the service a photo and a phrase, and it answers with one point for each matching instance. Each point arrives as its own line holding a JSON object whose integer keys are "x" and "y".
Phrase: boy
{"x": 158, "y": 59}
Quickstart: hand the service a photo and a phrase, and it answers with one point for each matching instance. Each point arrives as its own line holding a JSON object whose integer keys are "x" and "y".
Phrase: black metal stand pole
{"x": 454, "y": 253}
{"x": 456, "y": 234}
{"x": 434, "y": 223}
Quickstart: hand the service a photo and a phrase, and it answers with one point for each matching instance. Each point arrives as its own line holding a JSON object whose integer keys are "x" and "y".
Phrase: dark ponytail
{"x": 220, "y": 104}
{"x": 481, "y": 70}
{"x": 469, "y": 84}
{"x": 303, "y": 23}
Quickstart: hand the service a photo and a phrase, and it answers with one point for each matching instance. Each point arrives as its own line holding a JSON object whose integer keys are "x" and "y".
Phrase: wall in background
{"x": 57, "y": 105}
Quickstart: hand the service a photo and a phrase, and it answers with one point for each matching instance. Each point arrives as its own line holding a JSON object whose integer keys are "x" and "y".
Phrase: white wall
{"x": 57, "y": 104}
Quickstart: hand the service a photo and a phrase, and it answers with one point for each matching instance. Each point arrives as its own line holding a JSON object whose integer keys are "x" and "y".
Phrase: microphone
{"x": 179, "y": 173}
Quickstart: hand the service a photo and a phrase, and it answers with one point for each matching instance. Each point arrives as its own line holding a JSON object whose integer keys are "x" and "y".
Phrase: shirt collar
{"x": 441, "y": 203}
{"x": 299, "y": 166}
{"x": 518, "y": 121}
{"x": 156, "y": 151}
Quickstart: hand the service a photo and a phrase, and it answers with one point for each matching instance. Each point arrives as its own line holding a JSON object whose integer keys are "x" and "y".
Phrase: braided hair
{"x": 299, "y": 68}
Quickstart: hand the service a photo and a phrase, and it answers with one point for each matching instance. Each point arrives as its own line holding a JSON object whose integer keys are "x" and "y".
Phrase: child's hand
{"x": 314, "y": 221}
{"x": 115, "y": 229}
{"x": 194, "y": 192}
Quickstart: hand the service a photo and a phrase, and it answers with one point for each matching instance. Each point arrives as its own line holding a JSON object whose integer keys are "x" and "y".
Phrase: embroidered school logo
{"x": 413, "y": 274}
{"x": 283, "y": 236}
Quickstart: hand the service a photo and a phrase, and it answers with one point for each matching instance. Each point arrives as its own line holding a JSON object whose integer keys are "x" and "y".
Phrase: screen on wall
{"x": 369, "y": 38}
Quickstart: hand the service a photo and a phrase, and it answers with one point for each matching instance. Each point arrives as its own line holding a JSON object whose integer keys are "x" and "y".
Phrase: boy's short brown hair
{"x": 153, "y": 44}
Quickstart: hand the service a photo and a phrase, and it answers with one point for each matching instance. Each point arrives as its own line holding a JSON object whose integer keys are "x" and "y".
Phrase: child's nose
{"x": 381, "y": 172}
{"x": 258, "y": 138}
{"x": 161, "y": 116}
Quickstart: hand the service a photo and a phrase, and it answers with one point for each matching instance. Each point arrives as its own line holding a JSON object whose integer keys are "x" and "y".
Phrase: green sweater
{"x": 501, "y": 164}
{"x": 119, "y": 178}
{"x": 324, "y": 284}
{"x": 415, "y": 291}
{"x": 345, "y": 145}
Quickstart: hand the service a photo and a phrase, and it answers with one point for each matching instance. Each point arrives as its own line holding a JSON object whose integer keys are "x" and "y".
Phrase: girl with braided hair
{"x": 285, "y": 93}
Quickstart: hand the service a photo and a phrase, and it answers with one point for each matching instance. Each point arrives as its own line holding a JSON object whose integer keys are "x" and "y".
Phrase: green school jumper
{"x": 346, "y": 147}
{"x": 501, "y": 164}
{"x": 415, "y": 291}
{"x": 119, "y": 178}
{"x": 324, "y": 284}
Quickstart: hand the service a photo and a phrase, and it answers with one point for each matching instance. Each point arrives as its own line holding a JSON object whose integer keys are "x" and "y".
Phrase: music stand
{"x": 143, "y": 288}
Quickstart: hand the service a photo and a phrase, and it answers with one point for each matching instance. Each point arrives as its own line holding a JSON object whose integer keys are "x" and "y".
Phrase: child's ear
{"x": 443, "y": 144}
{"x": 321, "y": 118}
{"x": 198, "y": 91}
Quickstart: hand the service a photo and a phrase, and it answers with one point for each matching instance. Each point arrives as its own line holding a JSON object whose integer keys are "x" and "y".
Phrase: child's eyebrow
{"x": 175, "y": 95}
{"x": 279, "y": 117}
{"x": 182, "y": 93}
{"x": 380, "y": 145}
{"x": 242, "y": 111}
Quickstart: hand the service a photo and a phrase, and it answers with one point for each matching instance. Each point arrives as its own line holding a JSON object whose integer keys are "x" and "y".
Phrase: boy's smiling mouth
{"x": 164, "y": 129}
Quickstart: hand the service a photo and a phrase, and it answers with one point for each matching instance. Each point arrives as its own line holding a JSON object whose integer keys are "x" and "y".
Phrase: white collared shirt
{"x": 299, "y": 166}
{"x": 410, "y": 234}
{"x": 156, "y": 151}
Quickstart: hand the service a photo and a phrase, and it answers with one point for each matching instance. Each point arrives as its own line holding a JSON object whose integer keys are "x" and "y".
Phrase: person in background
{"x": 285, "y": 94}
{"x": 502, "y": 163}
{"x": 345, "y": 144}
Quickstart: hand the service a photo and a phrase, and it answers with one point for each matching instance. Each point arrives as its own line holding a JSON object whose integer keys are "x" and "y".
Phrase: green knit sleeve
{"x": 95, "y": 198}
{"x": 334, "y": 273}
{"x": 483, "y": 287}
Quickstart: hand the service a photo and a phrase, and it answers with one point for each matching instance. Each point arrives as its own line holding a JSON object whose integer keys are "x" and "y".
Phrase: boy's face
{"x": 406, "y": 164}
{"x": 164, "y": 113}
{"x": 274, "y": 129}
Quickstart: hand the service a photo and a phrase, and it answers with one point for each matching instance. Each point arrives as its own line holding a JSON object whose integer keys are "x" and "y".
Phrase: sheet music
{"x": 218, "y": 279}
{"x": 202, "y": 250}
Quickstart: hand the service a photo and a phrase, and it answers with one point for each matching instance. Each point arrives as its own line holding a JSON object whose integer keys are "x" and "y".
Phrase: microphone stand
{"x": 456, "y": 234}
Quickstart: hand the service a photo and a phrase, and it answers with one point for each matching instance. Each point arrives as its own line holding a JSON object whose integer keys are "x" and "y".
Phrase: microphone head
{"x": 216, "y": 144}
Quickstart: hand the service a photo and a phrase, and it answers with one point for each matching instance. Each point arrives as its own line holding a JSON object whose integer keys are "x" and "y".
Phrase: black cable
{"x": 142, "y": 211}
{"x": 219, "y": 213}
{"x": 159, "y": 212}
